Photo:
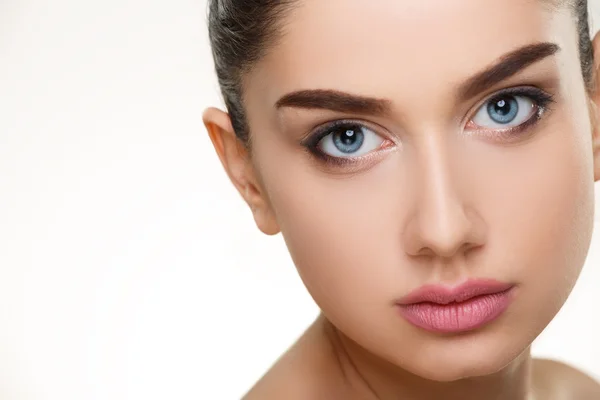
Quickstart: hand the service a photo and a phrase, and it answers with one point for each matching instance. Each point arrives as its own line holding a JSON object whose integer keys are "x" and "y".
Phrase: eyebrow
{"x": 508, "y": 65}
{"x": 334, "y": 100}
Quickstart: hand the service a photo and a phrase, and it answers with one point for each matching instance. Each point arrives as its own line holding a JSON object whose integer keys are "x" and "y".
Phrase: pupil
{"x": 349, "y": 137}
{"x": 501, "y": 107}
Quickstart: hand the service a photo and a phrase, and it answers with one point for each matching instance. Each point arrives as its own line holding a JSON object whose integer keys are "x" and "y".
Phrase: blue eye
{"x": 349, "y": 140}
{"x": 506, "y": 111}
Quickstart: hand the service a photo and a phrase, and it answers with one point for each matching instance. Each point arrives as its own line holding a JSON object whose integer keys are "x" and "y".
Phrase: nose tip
{"x": 443, "y": 231}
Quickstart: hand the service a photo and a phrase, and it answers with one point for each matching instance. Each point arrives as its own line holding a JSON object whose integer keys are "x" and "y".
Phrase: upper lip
{"x": 441, "y": 294}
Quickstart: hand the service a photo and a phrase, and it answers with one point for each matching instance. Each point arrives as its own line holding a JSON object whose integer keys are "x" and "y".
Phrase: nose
{"x": 442, "y": 222}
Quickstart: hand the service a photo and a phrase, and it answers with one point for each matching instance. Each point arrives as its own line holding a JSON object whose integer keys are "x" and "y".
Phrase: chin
{"x": 463, "y": 357}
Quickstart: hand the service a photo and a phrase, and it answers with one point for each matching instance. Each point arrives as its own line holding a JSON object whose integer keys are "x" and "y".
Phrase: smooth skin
{"x": 440, "y": 196}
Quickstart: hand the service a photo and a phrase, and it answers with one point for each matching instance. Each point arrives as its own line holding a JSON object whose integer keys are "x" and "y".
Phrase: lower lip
{"x": 457, "y": 317}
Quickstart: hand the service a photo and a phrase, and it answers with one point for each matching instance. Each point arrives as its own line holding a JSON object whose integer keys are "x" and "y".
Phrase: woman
{"x": 431, "y": 167}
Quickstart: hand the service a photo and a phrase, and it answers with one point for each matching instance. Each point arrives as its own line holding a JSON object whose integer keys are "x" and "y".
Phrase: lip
{"x": 466, "y": 307}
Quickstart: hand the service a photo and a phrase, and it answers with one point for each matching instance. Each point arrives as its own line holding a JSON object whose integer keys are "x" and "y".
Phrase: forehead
{"x": 381, "y": 46}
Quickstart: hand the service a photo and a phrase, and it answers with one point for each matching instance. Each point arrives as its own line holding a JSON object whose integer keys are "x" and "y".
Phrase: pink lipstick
{"x": 463, "y": 308}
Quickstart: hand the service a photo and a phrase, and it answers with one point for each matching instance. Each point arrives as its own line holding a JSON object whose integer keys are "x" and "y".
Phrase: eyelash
{"x": 541, "y": 101}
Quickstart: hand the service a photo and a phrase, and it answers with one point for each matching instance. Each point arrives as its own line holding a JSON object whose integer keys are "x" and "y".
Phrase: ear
{"x": 594, "y": 112}
{"x": 235, "y": 158}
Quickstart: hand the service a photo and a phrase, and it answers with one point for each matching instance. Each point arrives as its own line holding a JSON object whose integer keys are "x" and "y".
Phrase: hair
{"x": 242, "y": 31}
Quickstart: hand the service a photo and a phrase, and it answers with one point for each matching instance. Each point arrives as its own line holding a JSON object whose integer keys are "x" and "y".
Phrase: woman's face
{"x": 438, "y": 174}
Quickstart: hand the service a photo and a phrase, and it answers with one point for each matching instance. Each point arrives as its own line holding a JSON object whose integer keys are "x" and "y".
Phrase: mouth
{"x": 463, "y": 308}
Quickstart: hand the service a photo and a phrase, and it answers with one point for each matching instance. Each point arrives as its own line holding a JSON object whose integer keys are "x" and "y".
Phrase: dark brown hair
{"x": 241, "y": 31}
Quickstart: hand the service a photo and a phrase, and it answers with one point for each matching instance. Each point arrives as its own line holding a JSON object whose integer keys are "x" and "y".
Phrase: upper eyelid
{"x": 316, "y": 134}
{"x": 512, "y": 90}
{"x": 515, "y": 90}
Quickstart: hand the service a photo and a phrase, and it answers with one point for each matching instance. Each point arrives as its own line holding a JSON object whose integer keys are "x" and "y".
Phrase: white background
{"x": 129, "y": 266}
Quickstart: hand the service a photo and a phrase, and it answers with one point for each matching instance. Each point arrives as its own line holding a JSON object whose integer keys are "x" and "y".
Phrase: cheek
{"x": 345, "y": 247}
{"x": 339, "y": 230}
{"x": 344, "y": 237}
{"x": 544, "y": 225}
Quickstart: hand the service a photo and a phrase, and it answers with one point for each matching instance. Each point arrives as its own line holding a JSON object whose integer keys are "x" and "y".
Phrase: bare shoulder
{"x": 561, "y": 381}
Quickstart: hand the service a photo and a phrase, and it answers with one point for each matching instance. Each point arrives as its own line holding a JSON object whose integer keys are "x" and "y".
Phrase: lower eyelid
{"x": 515, "y": 134}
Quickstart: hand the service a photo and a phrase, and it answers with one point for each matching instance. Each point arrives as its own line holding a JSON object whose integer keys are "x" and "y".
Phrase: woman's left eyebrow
{"x": 508, "y": 65}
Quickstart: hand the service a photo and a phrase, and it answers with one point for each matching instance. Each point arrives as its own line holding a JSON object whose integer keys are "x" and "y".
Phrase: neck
{"x": 375, "y": 379}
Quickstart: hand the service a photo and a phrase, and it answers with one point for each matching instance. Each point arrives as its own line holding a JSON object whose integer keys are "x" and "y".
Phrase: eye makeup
{"x": 339, "y": 129}
{"x": 541, "y": 102}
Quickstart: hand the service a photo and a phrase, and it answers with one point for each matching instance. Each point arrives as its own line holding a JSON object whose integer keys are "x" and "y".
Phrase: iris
{"x": 503, "y": 109}
{"x": 348, "y": 140}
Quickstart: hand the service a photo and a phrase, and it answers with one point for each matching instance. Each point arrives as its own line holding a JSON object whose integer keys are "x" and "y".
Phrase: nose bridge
{"x": 441, "y": 223}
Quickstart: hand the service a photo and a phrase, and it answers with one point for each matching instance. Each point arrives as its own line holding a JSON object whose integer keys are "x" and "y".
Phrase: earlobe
{"x": 235, "y": 158}
{"x": 262, "y": 211}
{"x": 265, "y": 220}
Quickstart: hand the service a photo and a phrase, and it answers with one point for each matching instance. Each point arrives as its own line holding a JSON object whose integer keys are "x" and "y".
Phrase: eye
{"x": 513, "y": 109}
{"x": 348, "y": 140}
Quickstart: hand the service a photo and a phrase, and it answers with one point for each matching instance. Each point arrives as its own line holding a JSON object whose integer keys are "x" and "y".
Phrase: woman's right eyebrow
{"x": 336, "y": 101}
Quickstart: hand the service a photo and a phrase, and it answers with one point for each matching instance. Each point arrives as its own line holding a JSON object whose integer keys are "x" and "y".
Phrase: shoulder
{"x": 565, "y": 382}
